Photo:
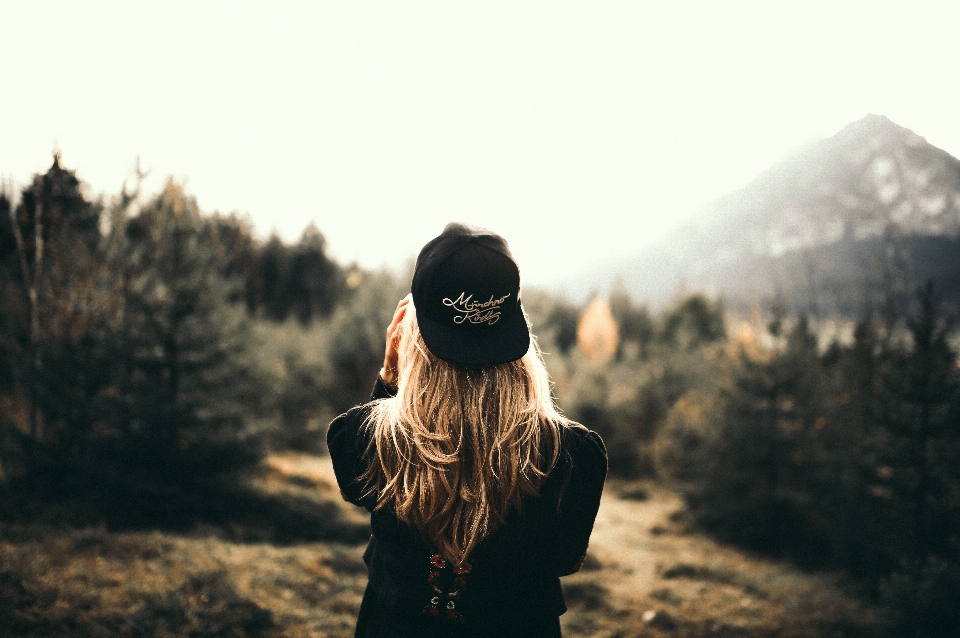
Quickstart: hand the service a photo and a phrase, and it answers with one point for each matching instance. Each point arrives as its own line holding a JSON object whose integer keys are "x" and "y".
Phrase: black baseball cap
{"x": 466, "y": 291}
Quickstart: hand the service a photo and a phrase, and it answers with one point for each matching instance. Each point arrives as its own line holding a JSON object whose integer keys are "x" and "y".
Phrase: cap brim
{"x": 500, "y": 343}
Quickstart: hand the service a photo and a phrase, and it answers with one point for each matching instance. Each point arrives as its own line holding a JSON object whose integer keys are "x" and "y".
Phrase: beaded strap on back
{"x": 447, "y": 583}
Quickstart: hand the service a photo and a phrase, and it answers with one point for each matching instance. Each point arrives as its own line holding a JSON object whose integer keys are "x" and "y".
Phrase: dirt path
{"x": 648, "y": 576}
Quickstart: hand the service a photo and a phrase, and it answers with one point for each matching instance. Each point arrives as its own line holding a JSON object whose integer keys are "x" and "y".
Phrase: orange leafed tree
{"x": 598, "y": 334}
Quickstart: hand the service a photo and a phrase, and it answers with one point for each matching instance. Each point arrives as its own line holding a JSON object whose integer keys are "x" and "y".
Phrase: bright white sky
{"x": 576, "y": 130}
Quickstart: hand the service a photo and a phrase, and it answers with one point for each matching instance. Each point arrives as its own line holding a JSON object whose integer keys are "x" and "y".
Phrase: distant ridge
{"x": 843, "y": 225}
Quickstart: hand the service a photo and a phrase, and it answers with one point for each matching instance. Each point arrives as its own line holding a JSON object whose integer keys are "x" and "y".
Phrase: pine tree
{"x": 767, "y": 472}
{"x": 185, "y": 385}
{"x": 924, "y": 424}
{"x": 48, "y": 257}
{"x": 920, "y": 449}
{"x": 693, "y": 322}
{"x": 316, "y": 281}
{"x": 274, "y": 269}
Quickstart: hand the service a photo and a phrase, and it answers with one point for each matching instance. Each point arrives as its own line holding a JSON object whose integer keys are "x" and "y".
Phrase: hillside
{"x": 841, "y": 225}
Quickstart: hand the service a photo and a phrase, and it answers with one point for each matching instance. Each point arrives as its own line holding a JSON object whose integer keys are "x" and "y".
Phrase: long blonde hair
{"x": 459, "y": 446}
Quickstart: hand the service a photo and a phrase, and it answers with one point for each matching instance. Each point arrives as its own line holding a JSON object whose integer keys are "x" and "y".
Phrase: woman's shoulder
{"x": 355, "y": 415}
{"x": 349, "y": 426}
{"x": 582, "y": 442}
{"x": 579, "y": 433}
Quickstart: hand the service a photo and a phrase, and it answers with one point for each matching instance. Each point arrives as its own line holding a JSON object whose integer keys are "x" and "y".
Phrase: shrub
{"x": 922, "y": 597}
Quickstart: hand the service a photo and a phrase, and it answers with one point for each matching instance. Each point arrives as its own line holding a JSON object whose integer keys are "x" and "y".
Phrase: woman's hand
{"x": 389, "y": 371}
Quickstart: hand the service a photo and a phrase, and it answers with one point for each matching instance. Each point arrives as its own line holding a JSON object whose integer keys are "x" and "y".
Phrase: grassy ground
{"x": 646, "y": 576}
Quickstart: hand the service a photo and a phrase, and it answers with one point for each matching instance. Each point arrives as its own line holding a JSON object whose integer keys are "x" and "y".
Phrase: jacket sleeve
{"x": 347, "y": 442}
{"x": 580, "y": 499}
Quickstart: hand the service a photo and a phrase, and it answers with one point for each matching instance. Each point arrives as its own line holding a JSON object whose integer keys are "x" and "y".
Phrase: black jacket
{"x": 513, "y": 583}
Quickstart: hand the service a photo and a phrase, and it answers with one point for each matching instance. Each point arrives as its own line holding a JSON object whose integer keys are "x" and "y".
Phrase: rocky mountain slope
{"x": 840, "y": 226}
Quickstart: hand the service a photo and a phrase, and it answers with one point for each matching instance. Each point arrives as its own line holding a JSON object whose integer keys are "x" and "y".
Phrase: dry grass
{"x": 100, "y": 584}
{"x": 646, "y": 576}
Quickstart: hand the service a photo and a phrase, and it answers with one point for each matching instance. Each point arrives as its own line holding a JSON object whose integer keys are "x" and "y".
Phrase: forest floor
{"x": 646, "y": 576}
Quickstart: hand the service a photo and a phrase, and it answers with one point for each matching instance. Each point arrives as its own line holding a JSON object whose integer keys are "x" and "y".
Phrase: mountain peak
{"x": 794, "y": 227}
{"x": 874, "y": 119}
{"x": 874, "y": 131}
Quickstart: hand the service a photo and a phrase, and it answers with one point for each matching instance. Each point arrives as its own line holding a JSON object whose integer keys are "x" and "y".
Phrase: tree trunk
{"x": 36, "y": 425}
{"x": 30, "y": 283}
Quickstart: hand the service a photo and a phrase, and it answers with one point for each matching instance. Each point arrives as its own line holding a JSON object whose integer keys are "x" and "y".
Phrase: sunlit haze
{"x": 576, "y": 130}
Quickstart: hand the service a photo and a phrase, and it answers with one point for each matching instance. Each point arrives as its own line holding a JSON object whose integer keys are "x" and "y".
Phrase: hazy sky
{"x": 576, "y": 130}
